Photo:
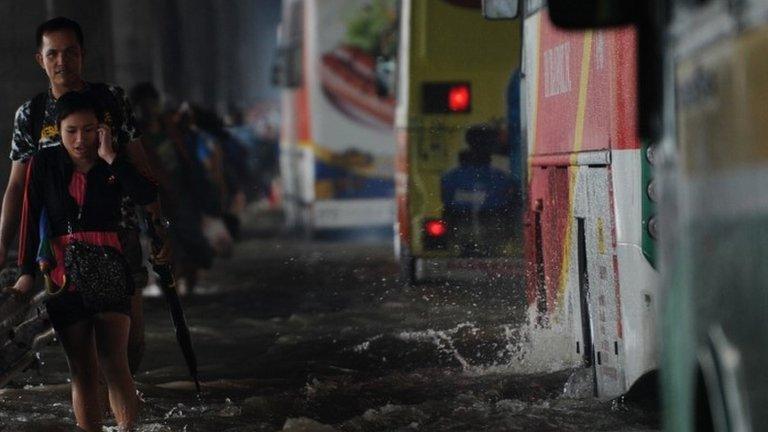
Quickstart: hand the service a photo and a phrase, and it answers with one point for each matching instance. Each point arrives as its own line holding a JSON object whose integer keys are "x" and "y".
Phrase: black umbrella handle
{"x": 152, "y": 230}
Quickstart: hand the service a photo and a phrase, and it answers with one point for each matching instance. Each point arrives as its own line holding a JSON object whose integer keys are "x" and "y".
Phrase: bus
{"x": 703, "y": 71}
{"x": 590, "y": 224}
{"x": 335, "y": 63}
{"x": 453, "y": 183}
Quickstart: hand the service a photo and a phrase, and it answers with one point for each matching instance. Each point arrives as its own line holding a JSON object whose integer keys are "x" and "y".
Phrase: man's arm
{"x": 23, "y": 147}
{"x": 11, "y": 211}
{"x": 139, "y": 160}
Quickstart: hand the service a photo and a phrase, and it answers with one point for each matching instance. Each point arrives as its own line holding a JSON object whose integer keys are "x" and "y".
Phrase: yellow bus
{"x": 453, "y": 184}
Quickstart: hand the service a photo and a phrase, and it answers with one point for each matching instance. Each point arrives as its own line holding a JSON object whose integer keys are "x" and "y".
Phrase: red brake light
{"x": 459, "y": 98}
{"x": 453, "y": 97}
{"x": 435, "y": 228}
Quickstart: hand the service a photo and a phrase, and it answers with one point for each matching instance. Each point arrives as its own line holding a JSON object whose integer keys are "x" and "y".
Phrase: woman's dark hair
{"x": 58, "y": 24}
{"x": 73, "y": 102}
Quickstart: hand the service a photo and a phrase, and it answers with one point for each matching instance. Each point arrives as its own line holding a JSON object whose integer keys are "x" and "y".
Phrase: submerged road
{"x": 294, "y": 335}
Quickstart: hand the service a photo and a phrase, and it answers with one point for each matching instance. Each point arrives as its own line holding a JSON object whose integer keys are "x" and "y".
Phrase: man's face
{"x": 61, "y": 56}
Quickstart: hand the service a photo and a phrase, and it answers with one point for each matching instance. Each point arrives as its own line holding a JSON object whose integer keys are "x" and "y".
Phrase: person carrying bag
{"x": 79, "y": 186}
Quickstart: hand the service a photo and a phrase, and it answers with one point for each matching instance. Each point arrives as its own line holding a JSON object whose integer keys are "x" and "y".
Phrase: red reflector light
{"x": 459, "y": 98}
{"x": 435, "y": 228}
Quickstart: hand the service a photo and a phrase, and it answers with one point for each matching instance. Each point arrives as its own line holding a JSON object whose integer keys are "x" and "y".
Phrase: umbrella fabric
{"x": 46, "y": 258}
{"x": 45, "y": 255}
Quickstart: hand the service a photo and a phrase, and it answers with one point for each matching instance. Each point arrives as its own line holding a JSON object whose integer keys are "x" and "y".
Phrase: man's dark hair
{"x": 73, "y": 102}
{"x": 58, "y": 24}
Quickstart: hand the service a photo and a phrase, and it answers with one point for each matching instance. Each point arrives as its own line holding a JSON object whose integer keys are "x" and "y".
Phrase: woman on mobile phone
{"x": 80, "y": 185}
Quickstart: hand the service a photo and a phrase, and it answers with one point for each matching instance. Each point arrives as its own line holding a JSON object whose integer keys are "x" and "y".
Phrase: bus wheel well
{"x": 645, "y": 391}
{"x": 702, "y": 414}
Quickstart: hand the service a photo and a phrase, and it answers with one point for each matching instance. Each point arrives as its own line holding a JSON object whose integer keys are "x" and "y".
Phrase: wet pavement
{"x": 295, "y": 335}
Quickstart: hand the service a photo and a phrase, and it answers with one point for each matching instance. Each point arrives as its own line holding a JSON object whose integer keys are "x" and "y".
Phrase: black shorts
{"x": 68, "y": 308}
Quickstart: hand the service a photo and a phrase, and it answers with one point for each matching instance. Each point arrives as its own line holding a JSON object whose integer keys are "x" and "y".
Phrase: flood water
{"x": 299, "y": 335}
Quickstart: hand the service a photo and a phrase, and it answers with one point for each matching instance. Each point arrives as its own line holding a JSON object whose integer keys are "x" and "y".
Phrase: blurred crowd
{"x": 210, "y": 168}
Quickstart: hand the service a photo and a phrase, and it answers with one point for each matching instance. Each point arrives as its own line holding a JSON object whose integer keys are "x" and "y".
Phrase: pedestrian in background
{"x": 172, "y": 146}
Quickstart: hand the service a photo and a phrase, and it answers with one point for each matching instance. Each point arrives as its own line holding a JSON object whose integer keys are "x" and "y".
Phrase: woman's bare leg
{"x": 111, "y": 331}
{"x": 79, "y": 345}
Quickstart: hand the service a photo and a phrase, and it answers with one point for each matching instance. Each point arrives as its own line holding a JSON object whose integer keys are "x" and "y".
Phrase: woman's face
{"x": 78, "y": 134}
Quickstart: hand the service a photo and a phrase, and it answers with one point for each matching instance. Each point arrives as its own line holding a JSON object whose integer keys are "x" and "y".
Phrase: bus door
{"x": 595, "y": 236}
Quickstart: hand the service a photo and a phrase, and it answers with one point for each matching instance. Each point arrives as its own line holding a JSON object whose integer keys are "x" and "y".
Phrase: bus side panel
{"x": 624, "y": 109}
{"x": 600, "y": 75}
{"x": 576, "y": 83}
{"x": 637, "y": 280}
{"x": 560, "y": 55}
{"x": 603, "y": 268}
{"x": 639, "y": 297}
{"x": 548, "y": 217}
{"x": 555, "y": 86}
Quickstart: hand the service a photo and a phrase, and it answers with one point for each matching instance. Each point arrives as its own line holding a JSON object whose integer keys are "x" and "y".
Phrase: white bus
{"x": 335, "y": 63}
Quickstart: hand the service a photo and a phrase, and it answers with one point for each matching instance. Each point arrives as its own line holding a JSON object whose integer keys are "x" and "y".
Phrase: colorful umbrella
{"x": 46, "y": 259}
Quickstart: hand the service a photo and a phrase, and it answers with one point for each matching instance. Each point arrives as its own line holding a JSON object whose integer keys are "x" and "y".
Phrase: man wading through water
{"x": 60, "y": 54}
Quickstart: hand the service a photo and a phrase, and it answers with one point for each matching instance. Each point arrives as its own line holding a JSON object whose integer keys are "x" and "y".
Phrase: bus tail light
{"x": 446, "y": 97}
{"x": 435, "y": 228}
{"x": 435, "y": 231}
{"x": 459, "y": 98}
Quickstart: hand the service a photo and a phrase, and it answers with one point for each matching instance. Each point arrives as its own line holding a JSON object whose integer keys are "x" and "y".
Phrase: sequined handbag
{"x": 99, "y": 273}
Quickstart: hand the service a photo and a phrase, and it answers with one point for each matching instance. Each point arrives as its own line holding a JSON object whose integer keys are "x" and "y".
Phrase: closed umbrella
{"x": 167, "y": 283}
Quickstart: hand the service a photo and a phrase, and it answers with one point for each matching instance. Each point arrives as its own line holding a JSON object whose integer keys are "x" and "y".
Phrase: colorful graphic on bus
{"x": 338, "y": 138}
